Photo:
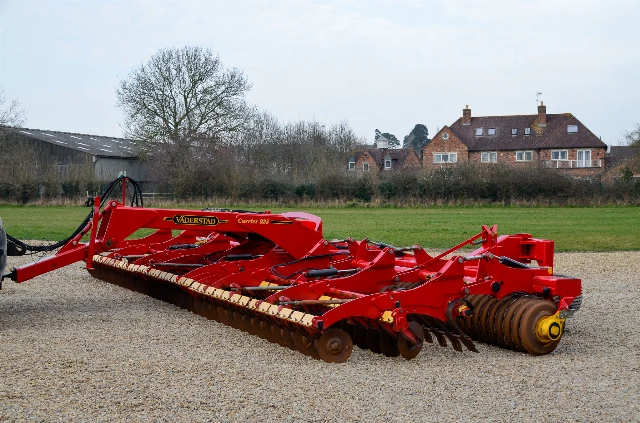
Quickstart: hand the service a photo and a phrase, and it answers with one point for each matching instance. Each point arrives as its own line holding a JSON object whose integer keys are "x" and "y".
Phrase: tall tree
{"x": 417, "y": 138}
{"x": 182, "y": 96}
{"x": 633, "y": 138}
{"x": 11, "y": 113}
{"x": 393, "y": 141}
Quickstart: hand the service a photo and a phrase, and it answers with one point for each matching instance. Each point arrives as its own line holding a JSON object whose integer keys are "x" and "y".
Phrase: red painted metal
{"x": 385, "y": 288}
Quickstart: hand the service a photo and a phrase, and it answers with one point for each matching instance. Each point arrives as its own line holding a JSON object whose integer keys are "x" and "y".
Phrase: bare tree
{"x": 183, "y": 96}
{"x": 11, "y": 114}
{"x": 633, "y": 138}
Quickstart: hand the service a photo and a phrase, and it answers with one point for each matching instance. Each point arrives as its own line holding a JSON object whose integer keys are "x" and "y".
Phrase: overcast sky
{"x": 386, "y": 64}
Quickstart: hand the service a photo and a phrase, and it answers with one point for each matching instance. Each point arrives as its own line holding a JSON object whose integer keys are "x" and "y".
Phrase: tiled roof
{"x": 553, "y": 135}
{"x": 622, "y": 151}
{"x": 92, "y": 144}
{"x": 398, "y": 155}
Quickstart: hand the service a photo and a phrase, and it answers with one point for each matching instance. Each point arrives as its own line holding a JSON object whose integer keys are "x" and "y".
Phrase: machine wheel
{"x": 532, "y": 341}
{"x": 499, "y": 334}
{"x": 389, "y": 345}
{"x": 515, "y": 325}
{"x": 484, "y": 318}
{"x": 409, "y": 350}
{"x": 263, "y": 329}
{"x": 373, "y": 340}
{"x": 360, "y": 336}
{"x": 477, "y": 313}
{"x": 507, "y": 321}
{"x": 334, "y": 346}
{"x": 299, "y": 343}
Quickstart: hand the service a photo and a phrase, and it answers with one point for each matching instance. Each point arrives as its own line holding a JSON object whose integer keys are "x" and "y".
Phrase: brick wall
{"x": 412, "y": 161}
{"x": 366, "y": 158}
{"x": 441, "y": 144}
{"x": 596, "y": 154}
{"x": 505, "y": 157}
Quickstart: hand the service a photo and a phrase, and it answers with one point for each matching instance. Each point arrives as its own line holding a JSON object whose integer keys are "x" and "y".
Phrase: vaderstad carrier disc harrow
{"x": 275, "y": 276}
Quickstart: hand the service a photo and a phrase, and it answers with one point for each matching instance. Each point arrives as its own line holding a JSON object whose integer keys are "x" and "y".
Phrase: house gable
{"x": 444, "y": 142}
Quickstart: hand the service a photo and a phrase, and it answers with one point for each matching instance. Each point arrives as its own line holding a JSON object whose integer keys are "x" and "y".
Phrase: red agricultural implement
{"x": 275, "y": 276}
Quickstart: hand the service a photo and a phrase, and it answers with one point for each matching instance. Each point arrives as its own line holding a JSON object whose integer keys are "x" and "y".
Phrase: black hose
{"x": 136, "y": 198}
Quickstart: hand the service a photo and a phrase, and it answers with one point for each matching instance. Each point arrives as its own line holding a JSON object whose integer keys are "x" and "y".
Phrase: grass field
{"x": 573, "y": 229}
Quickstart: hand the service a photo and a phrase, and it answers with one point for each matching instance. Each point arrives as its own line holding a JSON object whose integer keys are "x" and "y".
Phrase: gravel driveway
{"x": 73, "y": 348}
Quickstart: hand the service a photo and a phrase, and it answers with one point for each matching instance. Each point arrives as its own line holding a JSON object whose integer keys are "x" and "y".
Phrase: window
{"x": 524, "y": 156}
{"x": 572, "y": 129}
{"x": 491, "y": 131}
{"x": 479, "y": 132}
{"x": 527, "y": 131}
{"x": 365, "y": 166}
{"x": 489, "y": 157}
{"x": 584, "y": 158}
{"x": 387, "y": 164}
{"x": 559, "y": 154}
{"x": 445, "y": 157}
{"x": 514, "y": 131}
{"x": 352, "y": 165}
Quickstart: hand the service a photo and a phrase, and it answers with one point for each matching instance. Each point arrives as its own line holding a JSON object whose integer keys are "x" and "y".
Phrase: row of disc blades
{"x": 509, "y": 322}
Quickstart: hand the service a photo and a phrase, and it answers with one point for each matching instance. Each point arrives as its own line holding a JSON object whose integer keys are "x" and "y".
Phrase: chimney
{"x": 466, "y": 115}
{"x": 542, "y": 114}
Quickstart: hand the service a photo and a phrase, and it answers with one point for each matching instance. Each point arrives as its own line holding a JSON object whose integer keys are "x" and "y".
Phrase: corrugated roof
{"x": 95, "y": 145}
{"x": 553, "y": 135}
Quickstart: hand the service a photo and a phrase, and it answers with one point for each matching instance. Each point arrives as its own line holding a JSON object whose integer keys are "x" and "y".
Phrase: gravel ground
{"x": 73, "y": 348}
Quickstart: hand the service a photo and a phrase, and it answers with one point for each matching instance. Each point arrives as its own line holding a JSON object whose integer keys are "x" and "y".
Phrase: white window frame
{"x": 451, "y": 158}
{"x": 365, "y": 166}
{"x": 387, "y": 164}
{"x": 584, "y": 162}
{"x": 352, "y": 165}
{"x": 489, "y": 132}
{"x": 489, "y": 157}
{"x": 527, "y": 131}
{"x": 514, "y": 132}
{"x": 481, "y": 130}
{"x": 572, "y": 129}
{"x": 523, "y": 157}
{"x": 559, "y": 158}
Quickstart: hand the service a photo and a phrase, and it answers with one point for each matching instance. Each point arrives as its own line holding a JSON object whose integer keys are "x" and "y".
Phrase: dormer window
{"x": 527, "y": 131}
{"x": 491, "y": 131}
{"x": 572, "y": 129}
{"x": 352, "y": 165}
{"x": 479, "y": 132}
{"x": 514, "y": 131}
{"x": 387, "y": 164}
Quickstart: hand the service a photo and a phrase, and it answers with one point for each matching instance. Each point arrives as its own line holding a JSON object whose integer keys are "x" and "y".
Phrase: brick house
{"x": 380, "y": 158}
{"x": 558, "y": 141}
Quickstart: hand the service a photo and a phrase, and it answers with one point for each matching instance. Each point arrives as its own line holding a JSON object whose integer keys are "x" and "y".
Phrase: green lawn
{"x": 573, "y": 229}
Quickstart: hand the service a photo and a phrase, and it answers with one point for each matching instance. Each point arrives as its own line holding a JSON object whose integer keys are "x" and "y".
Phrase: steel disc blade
{"x": 408, "y": 349}
{"x": 334, "y": 346}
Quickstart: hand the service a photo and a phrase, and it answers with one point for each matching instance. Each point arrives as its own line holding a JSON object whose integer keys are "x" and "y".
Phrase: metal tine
{"x": 442, "y": 341}
{"x": 427, "y": 337}
{"x": 466, "y": 341}
{"x": 455, "y": 342}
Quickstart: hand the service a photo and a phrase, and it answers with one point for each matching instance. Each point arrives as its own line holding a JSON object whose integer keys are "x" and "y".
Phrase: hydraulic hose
{"x": 23, "y": 247}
